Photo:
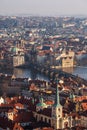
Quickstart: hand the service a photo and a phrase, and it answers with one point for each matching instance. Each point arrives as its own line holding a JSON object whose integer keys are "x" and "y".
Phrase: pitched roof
{"x": 23, "y": 117}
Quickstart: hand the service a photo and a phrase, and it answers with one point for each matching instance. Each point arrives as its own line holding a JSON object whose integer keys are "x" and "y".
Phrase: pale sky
{"x": 44, "y": 7}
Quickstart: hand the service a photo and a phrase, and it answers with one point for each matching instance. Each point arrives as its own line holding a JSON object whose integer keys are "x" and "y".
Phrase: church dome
{"x": 41, "y": 104}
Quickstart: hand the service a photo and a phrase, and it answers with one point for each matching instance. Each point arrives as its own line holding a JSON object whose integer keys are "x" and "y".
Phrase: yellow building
{"x": 68, "y": 59}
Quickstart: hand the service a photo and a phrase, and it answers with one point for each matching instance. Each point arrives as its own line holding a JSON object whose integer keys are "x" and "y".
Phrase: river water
{"x": 80, "y": 71}
{"x": 27, "y": 73}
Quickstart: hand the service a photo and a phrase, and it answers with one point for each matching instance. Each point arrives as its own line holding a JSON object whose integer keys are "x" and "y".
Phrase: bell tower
{"x": 57, "y": 111}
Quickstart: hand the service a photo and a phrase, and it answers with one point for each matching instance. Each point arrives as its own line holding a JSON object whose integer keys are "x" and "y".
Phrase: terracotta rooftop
{"x": 47, "y": 128}
{"x": 21, "y": 117}
{"x": 80, "y": 98}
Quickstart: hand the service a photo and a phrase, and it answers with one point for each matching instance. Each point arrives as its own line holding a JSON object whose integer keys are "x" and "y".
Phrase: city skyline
{"x": 43, "y": 8}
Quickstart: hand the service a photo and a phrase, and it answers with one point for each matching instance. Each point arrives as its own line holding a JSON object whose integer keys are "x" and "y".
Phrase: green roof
{"x": 41, "y": 105}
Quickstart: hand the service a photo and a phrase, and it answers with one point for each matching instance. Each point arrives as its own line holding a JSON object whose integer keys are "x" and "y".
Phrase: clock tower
{"x": 57, "y": 112}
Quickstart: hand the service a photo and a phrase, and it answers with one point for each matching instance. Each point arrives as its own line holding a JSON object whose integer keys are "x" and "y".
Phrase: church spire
{"x": 57, "y": 110}
{"x": 57, "y": 99}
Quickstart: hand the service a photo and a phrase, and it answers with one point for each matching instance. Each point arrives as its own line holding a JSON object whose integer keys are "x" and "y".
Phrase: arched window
{"x": 41, "y": 118}
{"x": 65, "y": 124}
{"x": 65, "y": 58}
{"x": 46, "y": 120}
{"x": 59, "y": 109}
{"x": 36, "y": 117}
{"x": 70, "y": 57}
{"x": 49, "y": 121}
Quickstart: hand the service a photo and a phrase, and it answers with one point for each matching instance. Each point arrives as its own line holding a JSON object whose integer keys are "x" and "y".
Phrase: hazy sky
{"x": 44, "y": 7}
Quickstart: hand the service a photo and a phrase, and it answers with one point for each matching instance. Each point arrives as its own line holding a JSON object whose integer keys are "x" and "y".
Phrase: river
{"x": 80, "y": 71}
{"x": 27, "y": 73}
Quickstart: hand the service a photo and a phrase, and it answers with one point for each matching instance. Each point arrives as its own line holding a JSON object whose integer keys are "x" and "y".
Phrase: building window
{"x": 49, "y": 121}
{"x": 59, "y": 109}
{"x": 45, "y": 119}
{"x": 65, "y": 58}
{"x": 41, "y": 118}
{"x": 70, "y": 57}
{"x": 36, "y": 117}
{"x": 65, "y": 124}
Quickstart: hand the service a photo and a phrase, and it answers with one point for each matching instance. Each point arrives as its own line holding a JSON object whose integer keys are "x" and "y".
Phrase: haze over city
{"x": 43, "y": 64}
{"x": 43, "y": 8}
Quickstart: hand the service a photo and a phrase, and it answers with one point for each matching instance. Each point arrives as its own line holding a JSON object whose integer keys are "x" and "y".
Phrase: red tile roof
{"x": 47, "y": 128}
{"x": 22, "y": 117}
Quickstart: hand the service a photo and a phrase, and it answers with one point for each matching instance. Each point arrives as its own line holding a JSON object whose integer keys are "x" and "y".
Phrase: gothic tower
{"x": 57, "y": 112}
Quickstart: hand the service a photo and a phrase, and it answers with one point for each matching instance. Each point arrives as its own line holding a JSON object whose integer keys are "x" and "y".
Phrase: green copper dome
{"x": 41, "y": 103}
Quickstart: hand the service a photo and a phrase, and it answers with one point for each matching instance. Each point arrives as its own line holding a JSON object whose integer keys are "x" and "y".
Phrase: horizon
{"x": 39, "y": 15}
